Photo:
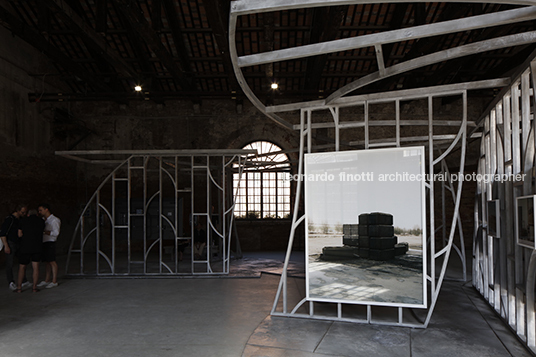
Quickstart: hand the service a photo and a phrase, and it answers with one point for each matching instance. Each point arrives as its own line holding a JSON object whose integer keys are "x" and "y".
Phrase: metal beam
{"x": 482, "y": 46}
{"x": 242, "y": 80}
{"x": 441, "y": 28}
{"x": 406, "y": 94}
{"x": 379, "y": 58}
{"x": 396, "y": 23}
{"x": 468, "y": 63}
{"x": 245, "y": 7}
{"x": 158, "y": 152}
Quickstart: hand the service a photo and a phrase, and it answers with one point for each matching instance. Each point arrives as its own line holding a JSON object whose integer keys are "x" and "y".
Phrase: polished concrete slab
{"x": 229, "y": 317}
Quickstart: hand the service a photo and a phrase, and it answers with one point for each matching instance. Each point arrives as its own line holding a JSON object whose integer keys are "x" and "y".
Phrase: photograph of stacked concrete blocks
{"x": 373, "y": 238}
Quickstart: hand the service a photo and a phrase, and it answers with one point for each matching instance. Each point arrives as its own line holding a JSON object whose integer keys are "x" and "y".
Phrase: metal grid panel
{"x": 504, "y": 271}
{"x": 134, "y": 225}
{"x": 438, "y": 253}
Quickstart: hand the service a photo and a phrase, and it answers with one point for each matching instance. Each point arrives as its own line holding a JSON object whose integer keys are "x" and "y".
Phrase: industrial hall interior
{"x": 267, "y": 178}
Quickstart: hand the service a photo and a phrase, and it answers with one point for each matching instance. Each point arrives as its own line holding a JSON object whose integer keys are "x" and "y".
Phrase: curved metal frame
{"x": 336, "y": 100}
{"x": 245, "y": 7}
{"x": 504, "y": 271}
{"x": 437, "y": 253}
{"x": 161, "y": 162}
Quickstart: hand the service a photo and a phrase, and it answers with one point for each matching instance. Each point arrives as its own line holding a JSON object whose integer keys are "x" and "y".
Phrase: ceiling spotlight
{"x": 274, "y": 86}
{"x": 137, "y": 88}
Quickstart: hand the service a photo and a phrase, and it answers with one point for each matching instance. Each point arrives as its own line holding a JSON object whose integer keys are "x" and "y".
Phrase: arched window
{"x": 264, "y": 191}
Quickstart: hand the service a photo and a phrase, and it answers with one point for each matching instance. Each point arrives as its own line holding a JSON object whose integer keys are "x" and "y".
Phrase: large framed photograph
{"x": 366, "y": 227}
{"x": 525, "y": 221}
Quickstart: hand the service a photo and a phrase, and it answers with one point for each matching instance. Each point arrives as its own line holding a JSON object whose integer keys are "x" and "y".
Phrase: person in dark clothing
{"x": 10, "y": 237}
{"x": 31, "y": 246}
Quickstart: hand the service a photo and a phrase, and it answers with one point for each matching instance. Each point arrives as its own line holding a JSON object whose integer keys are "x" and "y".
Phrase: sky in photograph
{"x": 341, "y": 185}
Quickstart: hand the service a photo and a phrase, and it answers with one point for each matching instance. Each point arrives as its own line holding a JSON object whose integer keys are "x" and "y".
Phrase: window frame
{"x": 274, "y": 200}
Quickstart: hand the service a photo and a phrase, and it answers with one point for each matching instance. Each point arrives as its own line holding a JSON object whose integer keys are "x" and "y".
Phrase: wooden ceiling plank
{"x": 101, "y": 20}
{"x": 178, "y": 38}
{"x": 90, "y": 36}
{"x": 482, "y": 46}
{"x": 148, "y": 76}
{"x": 156, "y": 14}
{"x": 218, "y": 18}
{"x": 35, "y": 39}
{"x": 323, "y": 30}
{"x": 43, "y": 17}
{"x": 153, "y": 41}
{"x": 399, "y": 14}
{"x": 440, "y": 28}
{"x": 245, "y": 7}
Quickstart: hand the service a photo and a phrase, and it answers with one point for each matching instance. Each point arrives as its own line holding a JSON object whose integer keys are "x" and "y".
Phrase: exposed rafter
{"x": 441, "y": 28}
{"x": 245, "y": 7}
{"x": 325, "y": 29}
{"x": 507, "y": 41}
{"x": 176, "y": 48}
{"x": 101, "y": 16}
{"x": 218, "y": 18}
{"x": 144, "y": 30}
{"x": 90, "y": 36}
{"x": 178, "y": 39}
{"x": 35, "y": 39}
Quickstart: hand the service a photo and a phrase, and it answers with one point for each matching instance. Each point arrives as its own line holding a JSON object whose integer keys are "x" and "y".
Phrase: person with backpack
{"x": 9, "y": 234}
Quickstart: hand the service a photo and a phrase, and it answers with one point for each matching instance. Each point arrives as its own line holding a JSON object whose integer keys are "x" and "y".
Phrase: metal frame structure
{"x": 504, "y": 271}
{"x": 114, "y": 222}
{"x": 246, "y": 7}
{"x": 439, "y": 249}
{"x": 438, "y": 253}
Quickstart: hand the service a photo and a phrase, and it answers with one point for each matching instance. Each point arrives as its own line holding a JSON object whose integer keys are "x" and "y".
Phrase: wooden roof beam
{"x": 325, "y": 28}
{"x": 156, "y": 14}
{"x": 449, "y": 54}
{"x": 218, "y": 18}
{"x": 435, "y": 29}
{"x": 34, "y": 38}
{"x": 245, "y": 7}
{"x": 396, "y": 23}
{"x": 101, "y": 20}
{"x": 105, "y": 68}
{"x": 144, "y": 62}
{"x": 138, "y": 22}
{"x": 456, "y": 65}
{"x": 92, "y": 39}
{"x": 178, "y": 39}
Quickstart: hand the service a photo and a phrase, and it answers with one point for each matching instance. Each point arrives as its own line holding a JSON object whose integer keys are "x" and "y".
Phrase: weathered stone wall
{"x": 29, "y": 170}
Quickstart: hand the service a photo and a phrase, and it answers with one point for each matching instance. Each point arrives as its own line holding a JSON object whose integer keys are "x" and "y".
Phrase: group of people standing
{"x": 30, "y": 235}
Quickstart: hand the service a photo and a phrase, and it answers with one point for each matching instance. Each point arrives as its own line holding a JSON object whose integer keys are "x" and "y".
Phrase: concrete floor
{"x": 229, "y": 317}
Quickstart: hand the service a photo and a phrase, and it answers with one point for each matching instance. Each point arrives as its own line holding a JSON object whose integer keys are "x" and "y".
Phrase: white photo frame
{"x": 339, "y": 186}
